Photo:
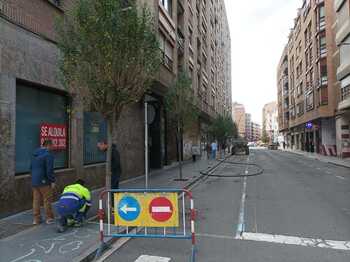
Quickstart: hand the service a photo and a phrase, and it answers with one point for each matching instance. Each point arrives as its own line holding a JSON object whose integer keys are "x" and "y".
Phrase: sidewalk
{"x": 327, "y": 159}
{"x": 24, "y": 242}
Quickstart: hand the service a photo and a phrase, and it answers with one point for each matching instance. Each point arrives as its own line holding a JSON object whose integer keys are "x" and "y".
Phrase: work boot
{"x": 60, "y": 228}
{"x": 70, "y": 222}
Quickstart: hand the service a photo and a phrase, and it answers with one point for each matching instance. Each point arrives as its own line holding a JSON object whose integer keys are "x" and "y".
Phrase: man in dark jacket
{"x": 115, "y": 163}
{"x": 43, "y": 181}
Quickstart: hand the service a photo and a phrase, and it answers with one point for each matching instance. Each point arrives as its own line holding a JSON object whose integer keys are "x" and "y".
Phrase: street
{"x": 297, "y": 210}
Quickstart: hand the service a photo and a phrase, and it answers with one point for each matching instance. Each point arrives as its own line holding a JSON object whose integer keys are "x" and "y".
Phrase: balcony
{"x": 345, "y": 93}
{"x": 321, "y": 25}
{"x": 180, "y": 45}
{"x": 167, "y": 61}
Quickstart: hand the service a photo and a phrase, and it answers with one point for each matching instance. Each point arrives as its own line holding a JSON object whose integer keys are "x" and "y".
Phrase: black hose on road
{"x": 259, "y": 171}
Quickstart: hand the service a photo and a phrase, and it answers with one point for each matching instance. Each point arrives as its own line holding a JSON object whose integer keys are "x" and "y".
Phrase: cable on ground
{"x": 258, "y": 172}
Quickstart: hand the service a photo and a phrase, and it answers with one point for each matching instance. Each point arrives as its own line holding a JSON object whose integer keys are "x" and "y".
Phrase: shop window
{"x": 95, "y": 130}
{"x": 35, "y": 107}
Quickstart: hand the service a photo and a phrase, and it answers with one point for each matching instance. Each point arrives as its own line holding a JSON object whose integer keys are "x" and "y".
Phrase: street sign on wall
{"x": 57, "y": 133}
{"x": 146, "y": 210}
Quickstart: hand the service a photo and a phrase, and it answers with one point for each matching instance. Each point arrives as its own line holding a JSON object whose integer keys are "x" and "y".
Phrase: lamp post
{"x": 149, "y": 118}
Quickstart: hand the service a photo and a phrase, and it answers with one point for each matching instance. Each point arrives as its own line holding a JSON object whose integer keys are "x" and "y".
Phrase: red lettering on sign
{"x": 57, "y": 133}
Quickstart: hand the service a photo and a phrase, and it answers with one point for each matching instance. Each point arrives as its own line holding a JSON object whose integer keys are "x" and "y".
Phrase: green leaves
{"x": 223, "y": 128}
{"x": 180, "y": 101}
{"x": 109, "y": 53}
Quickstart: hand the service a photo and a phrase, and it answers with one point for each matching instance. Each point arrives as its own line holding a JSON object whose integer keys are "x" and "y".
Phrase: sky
{"x": 259, "y": 32}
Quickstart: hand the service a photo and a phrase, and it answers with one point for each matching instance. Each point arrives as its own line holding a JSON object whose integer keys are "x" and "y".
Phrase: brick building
{"x": 248, "y": 124}
{"x": 308, "y": 92}
{"x": 255, "y": 132}
{"x": 192, "y": 34}
{"x": 239, "y": 117}
{"x": 270, "y": 122}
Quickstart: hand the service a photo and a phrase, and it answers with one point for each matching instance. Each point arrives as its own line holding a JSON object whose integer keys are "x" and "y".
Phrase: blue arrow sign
{"x": 129, "y": 208}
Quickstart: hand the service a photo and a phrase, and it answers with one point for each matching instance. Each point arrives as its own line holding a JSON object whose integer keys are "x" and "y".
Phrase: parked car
{"x": 273, "y": 146}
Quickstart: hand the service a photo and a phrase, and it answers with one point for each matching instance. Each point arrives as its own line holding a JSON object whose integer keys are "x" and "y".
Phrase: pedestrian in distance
{"x": 73, "y": 205}
{"x": 43, "y": 181}
{"x": 208, "y": 149}
{"x": 214, "y": 148}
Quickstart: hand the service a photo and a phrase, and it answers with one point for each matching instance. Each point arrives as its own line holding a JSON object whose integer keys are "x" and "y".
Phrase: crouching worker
{"x": 73, "y": 205}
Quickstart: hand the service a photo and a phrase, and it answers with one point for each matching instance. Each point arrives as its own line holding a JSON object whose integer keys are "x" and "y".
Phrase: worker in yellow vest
{"x": 73, "y": 205}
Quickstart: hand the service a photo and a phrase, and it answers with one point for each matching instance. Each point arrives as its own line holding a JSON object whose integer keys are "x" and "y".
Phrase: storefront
{"x": 34, "y": 107}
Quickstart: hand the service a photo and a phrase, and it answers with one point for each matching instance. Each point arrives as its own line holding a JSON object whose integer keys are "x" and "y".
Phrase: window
{"x": 323, "y": 95}
{"x": 168, "y": 6}
{"x": 309, "y": 101}
{"x": 345, "y": 88}
{"x": 33, "y": 108}
{"x": 167, "y": 51}
{"x": 323, "y": 44}
{"x": 300, "y": 108}
{"x": 95, "y": 130}
{"x": 323, "y": 72}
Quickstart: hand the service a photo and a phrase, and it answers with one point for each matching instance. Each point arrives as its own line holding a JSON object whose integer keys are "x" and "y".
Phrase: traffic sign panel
{"x": 146, "y": 209}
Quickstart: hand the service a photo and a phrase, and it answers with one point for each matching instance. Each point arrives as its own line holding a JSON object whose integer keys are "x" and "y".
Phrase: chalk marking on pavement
{"x": 145, "y": 258}
{"x": 240, "y": 226}
{"x": 292, "y": 240}
{"x": 31, "y": 252}
{"x": 340, "y": 177}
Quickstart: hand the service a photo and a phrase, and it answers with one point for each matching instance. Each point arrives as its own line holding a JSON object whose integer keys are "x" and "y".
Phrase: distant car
{"x": 252, "y": 144}
{"x": 273, "y": 146}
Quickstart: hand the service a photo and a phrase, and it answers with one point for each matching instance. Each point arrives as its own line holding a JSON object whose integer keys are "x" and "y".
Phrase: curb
{"x": 317, "y": 158}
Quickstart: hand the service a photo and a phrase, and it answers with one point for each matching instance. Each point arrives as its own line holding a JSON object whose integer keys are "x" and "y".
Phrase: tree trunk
{"x": 110, "y": 128}
{"x": 179, "y": 152}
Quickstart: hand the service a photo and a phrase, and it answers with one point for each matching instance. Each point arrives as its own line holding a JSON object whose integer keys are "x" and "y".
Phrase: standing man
{"x": 115, "y": 163}
{"x": 43, "y": 181}
{"x": 214, "y": 148}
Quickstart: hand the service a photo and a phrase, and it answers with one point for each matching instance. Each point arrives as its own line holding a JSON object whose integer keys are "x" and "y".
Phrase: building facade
{"x": 308, "y": 94}
{"x": 238, "y": 116}
{"x": 193, "y": 35}
{"x": 255, "y": 131}
{"x": 270, "y": 122}
{"x": 342, "y": 38}
{"x": 248, "y": 123}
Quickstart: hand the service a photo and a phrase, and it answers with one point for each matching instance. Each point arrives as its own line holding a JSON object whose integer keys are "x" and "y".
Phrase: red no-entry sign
{"x": 161, "y": 209}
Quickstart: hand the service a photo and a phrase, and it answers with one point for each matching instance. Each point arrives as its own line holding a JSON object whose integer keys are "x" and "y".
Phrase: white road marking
{"x": 340, "y": 177}
{"x": 292, "y": 240}
{"x": 240, "y": 226}
{"x": 145, "y": 258}
{"x": 216, "y": 236}
{"x": 161, "y": 210}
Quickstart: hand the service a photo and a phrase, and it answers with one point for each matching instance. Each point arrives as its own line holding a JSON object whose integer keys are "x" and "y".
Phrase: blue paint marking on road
{"x": 129, "y": 208}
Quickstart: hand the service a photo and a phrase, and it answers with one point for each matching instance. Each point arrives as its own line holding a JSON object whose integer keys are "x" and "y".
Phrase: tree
{"x": 181, "y": 106}
{"x": 265, "y": 138}
{"x": 223, "y": 128}
{"x": 109, "y": 57}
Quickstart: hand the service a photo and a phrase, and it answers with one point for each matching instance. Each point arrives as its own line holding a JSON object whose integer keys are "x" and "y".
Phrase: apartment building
{"x": 204, "y": 50}
{"x": 270, "y": 121}
{"x": 307, "y": 86}
{"x": 239, "y": 117}
{"x": 193, "y": 35}
{"x": 342, "y": 38}
{"x": 248, "y": 123}
{"x": 255, "y": 131}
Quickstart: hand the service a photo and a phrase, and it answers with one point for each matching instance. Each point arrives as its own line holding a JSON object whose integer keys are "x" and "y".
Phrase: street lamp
{"x": 149, "y": 118}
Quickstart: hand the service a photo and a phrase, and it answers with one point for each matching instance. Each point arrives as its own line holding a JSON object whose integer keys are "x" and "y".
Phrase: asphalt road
{"x": 297, "y": 210}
